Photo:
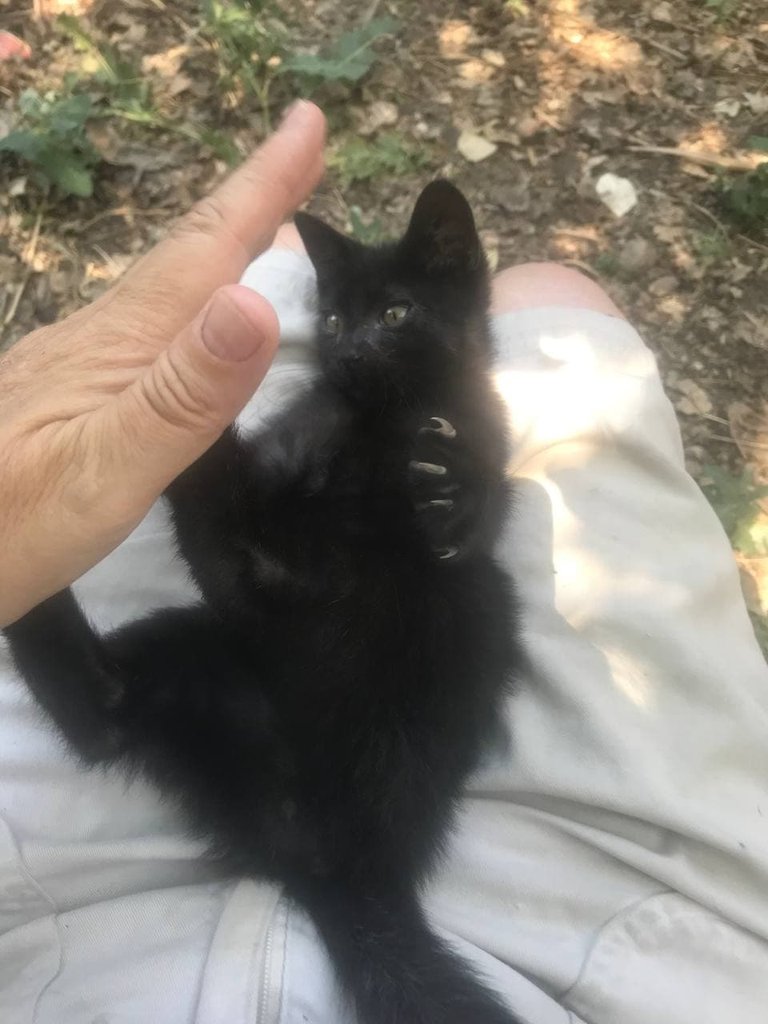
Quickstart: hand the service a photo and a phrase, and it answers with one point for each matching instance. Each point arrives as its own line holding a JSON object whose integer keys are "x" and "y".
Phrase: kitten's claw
{"x": 432, "y": 468}
{"x": 445, "y": 553}
{"x": 437, "y": 425}
{"x": 446, "y": 503}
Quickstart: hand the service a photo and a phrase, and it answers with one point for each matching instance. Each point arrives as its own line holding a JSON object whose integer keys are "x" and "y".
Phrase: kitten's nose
{"x": 363, "y": 338}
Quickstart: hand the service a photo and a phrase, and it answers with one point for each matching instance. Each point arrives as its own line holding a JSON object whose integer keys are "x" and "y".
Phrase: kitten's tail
{"x": 396, "y": 970}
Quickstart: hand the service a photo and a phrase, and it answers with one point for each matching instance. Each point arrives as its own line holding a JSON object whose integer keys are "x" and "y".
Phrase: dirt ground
{"x": 668, "y": 94}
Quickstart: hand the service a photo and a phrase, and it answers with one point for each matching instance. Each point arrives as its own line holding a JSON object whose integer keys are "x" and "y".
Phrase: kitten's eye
{"x": 332, "y": 323}
{"x": 395, "y": 315}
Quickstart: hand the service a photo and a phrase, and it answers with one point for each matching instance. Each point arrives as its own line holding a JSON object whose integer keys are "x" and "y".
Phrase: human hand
{"x": 99, "y": 413}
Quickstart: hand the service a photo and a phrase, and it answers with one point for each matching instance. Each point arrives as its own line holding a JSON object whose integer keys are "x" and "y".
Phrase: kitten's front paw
{"x": 438, "y": 480}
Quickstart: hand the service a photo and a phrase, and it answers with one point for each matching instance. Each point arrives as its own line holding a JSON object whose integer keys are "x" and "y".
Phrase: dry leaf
{"x": 695, "y": 400}
{"x": 493, "y": 57}
{"x": 749, "y": 429}
{"x": 729, "y": 108}
{"x": 53, "y": 8}
{"x": 179, "y": 84}
{"x": 454, "y": 37}
{"x": 167, "y": 62}
{"x": 476, "y": 71}
{"x": 753, "y": 573}
{"x": 695, "y": 170}
{"x": 474, "y": 147}
{"x": 379, "y": 114}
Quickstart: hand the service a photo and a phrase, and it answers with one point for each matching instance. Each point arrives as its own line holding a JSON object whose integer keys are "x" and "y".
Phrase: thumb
{"x": 196, "y": 387}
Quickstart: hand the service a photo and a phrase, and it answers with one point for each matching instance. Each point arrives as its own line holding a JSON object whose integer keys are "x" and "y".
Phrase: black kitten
{"x": 317, "y": 712}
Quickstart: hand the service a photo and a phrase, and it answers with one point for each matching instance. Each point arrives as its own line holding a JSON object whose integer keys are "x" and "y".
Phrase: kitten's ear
{"x": 441, "y": 236}
{"x": 326, "y": 247}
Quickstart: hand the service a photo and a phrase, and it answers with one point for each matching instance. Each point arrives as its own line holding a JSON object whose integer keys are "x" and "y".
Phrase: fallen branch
{"x": 28, "y": 256}
{"x": 746, "y": 162}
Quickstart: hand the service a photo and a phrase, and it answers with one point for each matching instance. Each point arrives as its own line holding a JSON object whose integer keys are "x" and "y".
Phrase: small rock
{"x": 663, "y": 12}
{"x": 758, "y": 103}
{"x": 379, "y": 114}
{"x": 665, "y": 285}
{"x": 527, "y": 126}
{"x": 513, "y": 198}
{"x": 618, "y": 194}
{"x": 493, "y": 57}
{"x": 474, "y": 147}
{"x": 638, "y": 254}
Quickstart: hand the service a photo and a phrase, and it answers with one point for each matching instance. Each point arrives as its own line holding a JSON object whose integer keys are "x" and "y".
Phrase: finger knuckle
{"x": 177, "y": 395}
{"x": 207, "y": 217}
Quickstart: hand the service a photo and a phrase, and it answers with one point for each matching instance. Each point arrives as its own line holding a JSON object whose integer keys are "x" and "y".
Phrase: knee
{"x": 533, "y": 285}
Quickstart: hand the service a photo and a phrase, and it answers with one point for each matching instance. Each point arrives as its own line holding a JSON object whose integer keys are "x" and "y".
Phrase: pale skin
{"x": 100, "y": 412}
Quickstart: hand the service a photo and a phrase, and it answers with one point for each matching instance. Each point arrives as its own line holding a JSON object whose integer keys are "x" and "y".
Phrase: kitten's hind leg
{"x": 62, "y": 660}
{"x": 119, "y": 693}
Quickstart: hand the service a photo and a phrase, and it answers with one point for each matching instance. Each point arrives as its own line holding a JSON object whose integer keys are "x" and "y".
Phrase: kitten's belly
{"x": 379, "y": 692}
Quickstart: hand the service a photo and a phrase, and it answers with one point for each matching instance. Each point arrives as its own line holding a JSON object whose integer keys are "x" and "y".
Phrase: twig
{"x": 665, "y": 49}
{"x": 693, "y": 156}
{"x": 581, "y": 265}
{"x": 583, "y": 235}
{"x": 746, "y": 444}
{"x": 752, "y": 241}
{"x": 371, "y": 13}
{"x": 126, "y": 212}
{"x": 28, "y": 255}
{"x": 707, "y": 213}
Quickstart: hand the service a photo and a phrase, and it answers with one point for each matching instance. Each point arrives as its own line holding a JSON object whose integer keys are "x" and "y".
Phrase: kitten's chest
{"x": 369, "y": 462}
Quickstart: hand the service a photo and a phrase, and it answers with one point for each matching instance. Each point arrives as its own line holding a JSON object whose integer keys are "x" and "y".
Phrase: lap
{"x": 621, "y": 827}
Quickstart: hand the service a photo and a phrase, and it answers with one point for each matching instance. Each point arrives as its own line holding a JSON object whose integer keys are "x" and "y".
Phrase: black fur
{"x": 316, "y": 714}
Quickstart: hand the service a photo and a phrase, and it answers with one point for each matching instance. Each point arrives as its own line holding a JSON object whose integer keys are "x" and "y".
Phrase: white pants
{"x": 610, "y": 867}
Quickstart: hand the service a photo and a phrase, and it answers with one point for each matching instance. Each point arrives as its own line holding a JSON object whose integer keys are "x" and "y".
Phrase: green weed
{"x": 712, "y": 246}
{"x": 361, "y": 160}
{"x": 126, "y": 90}
{"x": 249, "y": 39}
{"x": 744, "y": 198}
{"x": 760, "y": 626}
{"x": 367, "y": 232}
{"x": 735, "y": 500}
{"x": 724, "y": 9}
{"x": 347, "y": 60}
{"x": 50, "y": 137}
{"x": 607, "y": 265}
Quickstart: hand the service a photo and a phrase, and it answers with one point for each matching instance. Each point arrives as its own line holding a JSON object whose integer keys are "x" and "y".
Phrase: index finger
{"x": 216, "y": 240}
